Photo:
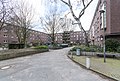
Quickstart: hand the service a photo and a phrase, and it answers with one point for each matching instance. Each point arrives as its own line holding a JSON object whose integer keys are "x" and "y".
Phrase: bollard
{"x": 88, "y": 62}
{"x": 71, "y": 55}
{"x": 78, "y": 52}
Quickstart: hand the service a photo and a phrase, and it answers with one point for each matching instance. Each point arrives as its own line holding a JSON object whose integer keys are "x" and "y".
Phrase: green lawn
{"x": 111, "y": 68}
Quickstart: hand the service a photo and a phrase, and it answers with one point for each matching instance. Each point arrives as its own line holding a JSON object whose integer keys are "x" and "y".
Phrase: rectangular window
{"x": 5, "y": 35}
{"x": 77, "y": 37}
{"x": 5, "y": 41}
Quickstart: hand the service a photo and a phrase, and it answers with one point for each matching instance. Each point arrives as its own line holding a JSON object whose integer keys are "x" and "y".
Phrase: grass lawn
{"x": 111, "y": 68}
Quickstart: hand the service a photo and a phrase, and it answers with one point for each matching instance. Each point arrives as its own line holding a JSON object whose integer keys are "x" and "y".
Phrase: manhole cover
{"x": 5, "y": 67}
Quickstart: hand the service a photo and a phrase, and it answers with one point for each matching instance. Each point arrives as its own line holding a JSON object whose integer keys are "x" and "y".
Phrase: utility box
{"x": 78, "y": 52}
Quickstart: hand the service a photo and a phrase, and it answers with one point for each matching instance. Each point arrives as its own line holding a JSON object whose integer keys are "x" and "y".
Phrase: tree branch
{"x": 65, "y": 3}
{"x": 83, "y": 10}
{"x": 71, "y": 10}
{"x": 83, "y": 1}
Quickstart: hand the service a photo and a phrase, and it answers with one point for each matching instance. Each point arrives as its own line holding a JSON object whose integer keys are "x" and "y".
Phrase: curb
{"x": 84, "y": 67}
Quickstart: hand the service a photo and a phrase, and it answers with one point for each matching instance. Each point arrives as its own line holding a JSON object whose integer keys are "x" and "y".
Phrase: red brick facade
{"x": 8, "y": 36}
{"x": 72, "y": 37}
{"x": 111, "y": 22}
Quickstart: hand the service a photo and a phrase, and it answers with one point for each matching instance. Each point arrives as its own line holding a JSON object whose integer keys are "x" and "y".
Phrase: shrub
{"x": 85, "y": 48}
{"x": 96, "y": 48}
{"x": 16, "y": 46}
{"x": 74, "y": 49}
{"x": 118, "y": 49}
{"x": 112, "y": 45}
{"x": 41, "y": 47}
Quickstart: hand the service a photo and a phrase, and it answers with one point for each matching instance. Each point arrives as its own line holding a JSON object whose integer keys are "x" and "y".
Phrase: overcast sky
{"x": 41, "y": 5}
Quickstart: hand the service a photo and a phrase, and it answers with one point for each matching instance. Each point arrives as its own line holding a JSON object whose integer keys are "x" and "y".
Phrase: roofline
{"x": 29, "y": 29}
{"x": 94, "y": 14}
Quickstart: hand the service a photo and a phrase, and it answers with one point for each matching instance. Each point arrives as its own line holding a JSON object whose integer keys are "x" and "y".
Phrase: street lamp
{"x": 102, "y": 11}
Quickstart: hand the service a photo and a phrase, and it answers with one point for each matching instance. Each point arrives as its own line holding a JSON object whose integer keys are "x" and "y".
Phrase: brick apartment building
{"x": 110, "y": 19}
{"x": 8, "y": 36}
{"x": 59, "y": 38}
{"x": 70, "y": 37}
{"x": 37, "y": 37}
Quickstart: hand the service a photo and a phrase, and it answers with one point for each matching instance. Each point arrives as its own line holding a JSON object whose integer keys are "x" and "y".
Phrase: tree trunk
{"x": 86, "y": 36}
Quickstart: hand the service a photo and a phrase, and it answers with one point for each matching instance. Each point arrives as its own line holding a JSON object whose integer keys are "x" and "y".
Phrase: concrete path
{"x": 49, "y": 66}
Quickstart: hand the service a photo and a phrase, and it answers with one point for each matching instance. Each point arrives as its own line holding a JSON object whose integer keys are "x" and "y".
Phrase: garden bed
{"x": 13, "y": 53}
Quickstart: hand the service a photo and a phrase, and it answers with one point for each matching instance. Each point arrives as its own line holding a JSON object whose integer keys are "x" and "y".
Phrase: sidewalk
{"x": 111, "y": 68}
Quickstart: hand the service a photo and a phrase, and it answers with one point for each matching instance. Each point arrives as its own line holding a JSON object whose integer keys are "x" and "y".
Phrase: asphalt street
{"x": 48, "y": 66}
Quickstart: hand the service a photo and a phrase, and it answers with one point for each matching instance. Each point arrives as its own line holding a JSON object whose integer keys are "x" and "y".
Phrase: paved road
{"x": 49, "y": 66}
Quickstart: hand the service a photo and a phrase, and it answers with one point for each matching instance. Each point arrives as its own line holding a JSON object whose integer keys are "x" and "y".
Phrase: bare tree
{"x": 68, "y": 25}
{"x": 52, "y": 23}
{"x": 22, "y": 20}
{"x": 5, "y": 11}
{"x": 83, "y": 4}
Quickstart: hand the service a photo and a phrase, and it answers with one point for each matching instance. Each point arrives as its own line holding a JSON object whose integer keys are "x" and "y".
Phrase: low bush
{"x": 41, "y": 47}
{"x": 118, "y": 49}
{"x": 16, "y": 46}
{"x": 74, "y": 49}
{"x": 85, "y": 48}
{"x": 112, "y": 45}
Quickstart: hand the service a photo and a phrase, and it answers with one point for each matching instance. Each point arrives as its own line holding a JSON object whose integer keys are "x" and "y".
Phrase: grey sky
{"x": 41, "y": 5}
{"x": 89, "y": 13}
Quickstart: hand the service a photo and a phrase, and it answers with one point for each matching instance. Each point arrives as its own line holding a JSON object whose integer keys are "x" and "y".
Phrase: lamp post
{"x": 102, "y": 12}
